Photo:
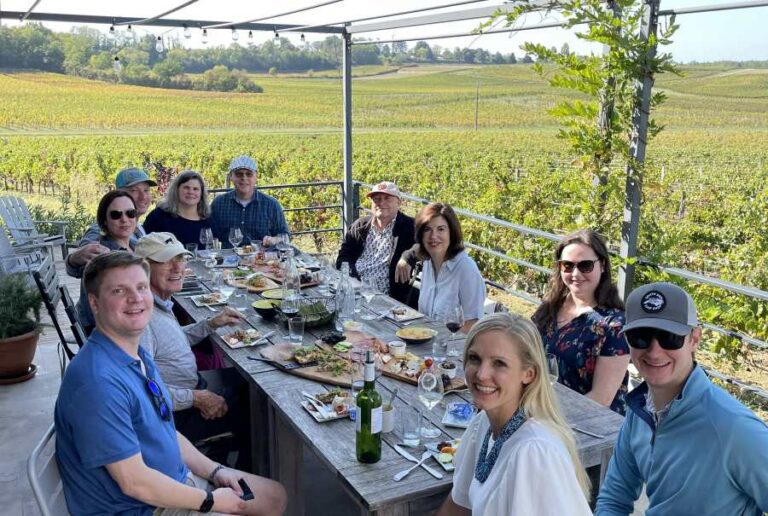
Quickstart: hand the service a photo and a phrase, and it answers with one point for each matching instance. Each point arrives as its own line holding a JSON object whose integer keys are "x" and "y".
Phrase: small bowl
{"x": 265, "y": 308}
{"x": 396, "y": 348}
{"x": 415, "y": 335}
{"x": 450, "y": 372}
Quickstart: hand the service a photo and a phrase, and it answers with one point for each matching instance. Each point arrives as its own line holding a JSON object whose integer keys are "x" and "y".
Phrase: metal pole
{"x": 477, "y": 103}
{"x": 634, "y": 182}
{"x": 349, "y": 209}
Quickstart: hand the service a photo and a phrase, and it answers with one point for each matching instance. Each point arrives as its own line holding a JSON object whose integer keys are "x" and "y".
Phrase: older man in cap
{"x": 205, "y": 403}
{"x": 695, "y": 448}
{"x": 374, "y": 243}
{"x": 259, "y": 216}
{"x": 136, "y": 182}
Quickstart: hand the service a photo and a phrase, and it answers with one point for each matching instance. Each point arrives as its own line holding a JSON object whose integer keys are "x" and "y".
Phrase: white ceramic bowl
{"x": 396, "y": 348}
{"x": 450, "y": 372}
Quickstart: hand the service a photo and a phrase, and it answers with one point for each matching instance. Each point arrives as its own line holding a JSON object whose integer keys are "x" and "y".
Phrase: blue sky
{"x": 733, "y": 35}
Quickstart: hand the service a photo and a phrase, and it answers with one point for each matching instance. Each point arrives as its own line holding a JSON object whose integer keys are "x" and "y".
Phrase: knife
{"x": 411, "y": 458}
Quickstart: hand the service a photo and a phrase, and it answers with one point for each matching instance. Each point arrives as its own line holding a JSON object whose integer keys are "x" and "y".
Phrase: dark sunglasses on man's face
{"x": 116, "y": 214}
{"x": 641, "y": 338}
{"x": 584, "y": 266}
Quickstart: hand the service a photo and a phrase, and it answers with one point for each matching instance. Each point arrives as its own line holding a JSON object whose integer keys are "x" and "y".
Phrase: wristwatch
{"x": 207, "y": 504}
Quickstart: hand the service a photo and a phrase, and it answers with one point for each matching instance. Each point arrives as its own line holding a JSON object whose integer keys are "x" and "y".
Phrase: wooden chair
{"x": 71, "y": 310}
{"x": 45, "y": 479}
{"x": 19, "y": 222}
{"x": 16, "y": 259}
{"x": 48, "y": 284}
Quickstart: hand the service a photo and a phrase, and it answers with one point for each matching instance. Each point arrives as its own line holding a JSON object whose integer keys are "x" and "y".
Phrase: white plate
{"x": 409, "y": 315}
{"x": 197, "y": 300}
{"x": 316, "y": 415}
{"x": 432, "y": 447}
{"x": 451, "y": 419}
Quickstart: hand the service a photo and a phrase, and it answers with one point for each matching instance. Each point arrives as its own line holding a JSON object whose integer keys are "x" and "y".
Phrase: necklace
{"x": 485, "y": 463}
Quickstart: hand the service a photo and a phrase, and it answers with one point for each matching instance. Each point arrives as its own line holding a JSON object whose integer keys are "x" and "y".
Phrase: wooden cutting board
{"x": 281, "y": 356}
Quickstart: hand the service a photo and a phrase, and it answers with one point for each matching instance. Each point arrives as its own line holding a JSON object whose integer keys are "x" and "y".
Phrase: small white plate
{"x": 199, "y": 300}
{"x": 432, "y": 447}
{"x": 316, "y": 415}
{"x": 453, "y": 417}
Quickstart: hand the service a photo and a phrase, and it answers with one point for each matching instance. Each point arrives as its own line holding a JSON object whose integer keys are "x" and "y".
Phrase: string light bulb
{"x": 303, "y": 38}
{"x": 187, "y": 32}
{"x": 250, "y": 35}
{"x": 277, "y": 36}
{"x": 159, "y": 47}
{"x": 111, "y": 31}
{"x": 204, "y": 39}
{"x": 235, "y": 34}
{"x": 116, "y": 65}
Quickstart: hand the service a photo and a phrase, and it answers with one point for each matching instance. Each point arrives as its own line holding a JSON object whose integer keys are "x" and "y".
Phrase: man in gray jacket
{"x": 205, "y": 403}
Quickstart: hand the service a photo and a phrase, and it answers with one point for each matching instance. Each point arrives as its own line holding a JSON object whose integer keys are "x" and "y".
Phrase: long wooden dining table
{"x": 282, "y": 429}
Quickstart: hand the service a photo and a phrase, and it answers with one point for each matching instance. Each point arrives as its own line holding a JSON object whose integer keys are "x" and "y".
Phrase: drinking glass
{"x": 206, "y": 237}
{"x": 192, "y": 248}
{"x": 553, "y": 369}
{"x": 290, "y": 305}
{"x": 283, "y": 243}
{"x": 369, "y": 291}
{"x": 410, "y": 418}
{"x": 454, "y": 320}
{"x": 296, "y": 329}
{"x": 235, "y": 237}
{"x": 430, "y": 393}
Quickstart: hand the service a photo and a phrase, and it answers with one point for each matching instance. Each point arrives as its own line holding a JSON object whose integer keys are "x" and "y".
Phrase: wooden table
{"x": 282, "y": 428}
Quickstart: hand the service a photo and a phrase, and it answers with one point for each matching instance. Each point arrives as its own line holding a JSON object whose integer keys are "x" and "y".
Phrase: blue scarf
{"x": 485, "y": 463}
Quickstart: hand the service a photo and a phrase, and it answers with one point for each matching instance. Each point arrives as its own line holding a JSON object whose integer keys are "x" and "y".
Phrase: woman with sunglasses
{"x": 184, "y": 211}
{"x": 580, "y": 319}
{"x": 518, "y": 454}
{"x": 116, "y": 216}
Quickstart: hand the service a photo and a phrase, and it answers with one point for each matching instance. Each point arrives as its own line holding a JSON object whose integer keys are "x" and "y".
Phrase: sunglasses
{"x": 641, "y": 338}
{"x": 158, "y": 399}
{"x": 116, "y": 214}
{"x": 584, "y": 266}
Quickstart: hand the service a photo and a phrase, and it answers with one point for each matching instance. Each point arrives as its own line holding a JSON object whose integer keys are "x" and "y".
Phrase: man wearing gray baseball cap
{"x": 695, "y": 448}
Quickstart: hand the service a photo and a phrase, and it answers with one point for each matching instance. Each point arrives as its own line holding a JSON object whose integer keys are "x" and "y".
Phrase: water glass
{"x": 192, "y": 248}
{"x": 553, "y": 370}
{"x": 410, "y": 425}
{"x": 296, "y": 329}
{"x": 439, "y": 348}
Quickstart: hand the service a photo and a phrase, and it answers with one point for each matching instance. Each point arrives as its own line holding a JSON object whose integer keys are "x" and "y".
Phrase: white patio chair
{"x": 45, "y": 480}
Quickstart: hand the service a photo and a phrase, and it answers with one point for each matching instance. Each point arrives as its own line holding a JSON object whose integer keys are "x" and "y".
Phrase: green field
{"x": 705, "y": 191}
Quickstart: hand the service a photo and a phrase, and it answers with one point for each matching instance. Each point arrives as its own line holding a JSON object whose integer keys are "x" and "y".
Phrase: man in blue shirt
{"x": 259, "y": 216}
{"x": 116, "y": 445}
{"x": 695, "y": 448}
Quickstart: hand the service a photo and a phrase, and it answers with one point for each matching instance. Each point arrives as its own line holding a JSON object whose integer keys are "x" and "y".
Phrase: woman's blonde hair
{"x": 538, "y": 397}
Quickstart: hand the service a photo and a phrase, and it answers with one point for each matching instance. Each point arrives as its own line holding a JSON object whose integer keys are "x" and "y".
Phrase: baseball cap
{"x": 246, "y": 162}
{"x": 385, "y": 187}
{"x": 160, "y": 247}
{"x": 662, "y": 305}
{"x": 132, "y": 176}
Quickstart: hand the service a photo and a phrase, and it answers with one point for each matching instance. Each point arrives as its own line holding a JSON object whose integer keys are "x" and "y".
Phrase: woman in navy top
{"x": 184, "y": 211}
{"x": 580, "y": 319}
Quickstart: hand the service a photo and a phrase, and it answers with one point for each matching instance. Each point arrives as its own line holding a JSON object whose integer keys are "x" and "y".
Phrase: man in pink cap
{"x": 375, "y": 242}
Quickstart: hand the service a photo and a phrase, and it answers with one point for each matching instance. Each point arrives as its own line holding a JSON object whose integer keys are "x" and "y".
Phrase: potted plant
{"x": 20, "y": 304}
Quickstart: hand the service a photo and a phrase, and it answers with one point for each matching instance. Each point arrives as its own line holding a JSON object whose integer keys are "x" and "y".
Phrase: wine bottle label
{"x": 370, "y": 372}
{"x": 376, "y": 418}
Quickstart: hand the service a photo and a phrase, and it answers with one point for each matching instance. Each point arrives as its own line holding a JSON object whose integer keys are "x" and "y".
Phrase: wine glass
{"x": 369, "y": 291}
{"x": 235, "y": 237}
{"x": 206, "y": 237}
{"x": 283, "y": 243}
{"x": 430, "y": 393}
{"x": 553, "y": 370}
{"x": 454, "y": 321}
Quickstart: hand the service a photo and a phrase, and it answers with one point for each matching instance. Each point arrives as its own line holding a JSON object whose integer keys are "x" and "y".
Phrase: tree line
{"x": 87, "y": 52}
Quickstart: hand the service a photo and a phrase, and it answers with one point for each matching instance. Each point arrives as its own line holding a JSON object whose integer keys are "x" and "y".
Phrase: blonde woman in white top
{"x": 518, "y": 454}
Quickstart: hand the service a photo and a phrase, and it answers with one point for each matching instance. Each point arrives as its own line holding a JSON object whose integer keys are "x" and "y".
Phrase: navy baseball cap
{"x": 132, "y": 176}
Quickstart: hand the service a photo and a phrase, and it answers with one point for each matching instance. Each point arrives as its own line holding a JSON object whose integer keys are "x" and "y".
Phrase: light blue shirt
{"x": 708, "y": 455}
{"x": 459, "y": 282}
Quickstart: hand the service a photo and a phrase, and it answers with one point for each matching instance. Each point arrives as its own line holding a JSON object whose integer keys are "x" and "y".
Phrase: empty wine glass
{"x": 206, "y": 237}
{"x": 369, "y": 291}
{"x": 553, "y": 370}
{"x": 430, "y": 393}
{"x": 283, "y": 243}
{"x": 235, "y": 237}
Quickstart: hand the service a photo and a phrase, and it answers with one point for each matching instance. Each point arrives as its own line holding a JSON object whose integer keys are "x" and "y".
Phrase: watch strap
{"x": 207, "y": 504}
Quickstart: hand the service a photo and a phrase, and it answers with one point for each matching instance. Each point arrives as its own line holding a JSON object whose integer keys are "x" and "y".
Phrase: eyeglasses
{"x": 584, "y": 266}
{"x": 641, "y": 338}
{"x": 116, "y": 214}
{"x": 158, "y": 399}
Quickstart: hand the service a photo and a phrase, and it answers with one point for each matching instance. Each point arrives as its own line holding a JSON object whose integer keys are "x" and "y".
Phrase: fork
{"x": 424, "y": 456}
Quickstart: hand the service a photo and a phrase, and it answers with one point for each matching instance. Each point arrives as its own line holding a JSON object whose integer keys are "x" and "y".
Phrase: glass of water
{"x": 553, "y": 370}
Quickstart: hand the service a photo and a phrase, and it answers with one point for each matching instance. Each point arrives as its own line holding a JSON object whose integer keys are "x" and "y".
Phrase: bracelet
{"x": 212, "y": 476}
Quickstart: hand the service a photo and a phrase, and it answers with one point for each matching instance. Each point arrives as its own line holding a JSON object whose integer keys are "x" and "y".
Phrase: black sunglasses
{"x": 584, "y": 266}
{"x": 158, "y": 399}
{"x": 116, "y": 214}
{"x": 641, "y": 338}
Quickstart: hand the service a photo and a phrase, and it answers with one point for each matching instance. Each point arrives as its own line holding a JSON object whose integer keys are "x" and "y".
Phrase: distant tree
{"x": 511, "y": 59}
{"x": 399, "y": 47}
{"x": 497, "y": 58}
{"x": 565, "y": 49}
{"x": 527, "y": 59}
{"x": 422, "y": 52}
{"x": 273, "y": 71}
{"x": 386, "y": 51}
{"x": 365, "y": 54}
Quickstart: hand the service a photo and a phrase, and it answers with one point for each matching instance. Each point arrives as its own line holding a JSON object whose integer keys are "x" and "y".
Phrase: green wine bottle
{"x": 368, "y": 438}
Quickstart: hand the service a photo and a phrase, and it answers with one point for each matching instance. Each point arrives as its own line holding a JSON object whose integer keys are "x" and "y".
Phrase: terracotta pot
{"x": 16, "y": 354}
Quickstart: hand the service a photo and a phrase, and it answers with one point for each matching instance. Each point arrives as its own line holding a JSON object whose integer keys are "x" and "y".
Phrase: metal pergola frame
{"x": 633, "y": 184}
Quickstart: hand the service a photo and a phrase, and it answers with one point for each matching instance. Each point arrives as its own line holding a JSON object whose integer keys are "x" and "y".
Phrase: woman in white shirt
{"x": 450, "y": 277}
{"x": 518, "y": 454}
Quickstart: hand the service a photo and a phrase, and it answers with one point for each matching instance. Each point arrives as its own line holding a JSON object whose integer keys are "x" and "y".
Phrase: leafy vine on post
{"x": 598, "y": 126}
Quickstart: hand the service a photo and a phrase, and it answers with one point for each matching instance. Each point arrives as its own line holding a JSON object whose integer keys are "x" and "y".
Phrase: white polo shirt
{"x": 459, "y": 282}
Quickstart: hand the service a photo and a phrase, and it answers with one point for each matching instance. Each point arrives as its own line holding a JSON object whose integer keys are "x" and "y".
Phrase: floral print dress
{"x": 578, "y": 344}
